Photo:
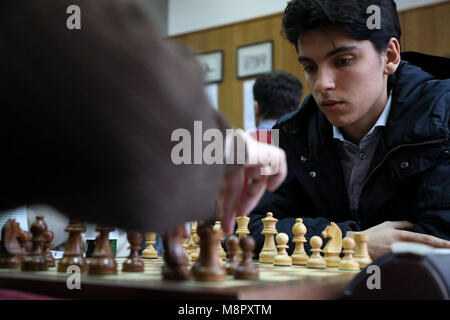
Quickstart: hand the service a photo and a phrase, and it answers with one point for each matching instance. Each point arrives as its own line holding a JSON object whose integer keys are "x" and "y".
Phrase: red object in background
{"x": 262, "y": 135}
{"x": 20, "y": 295}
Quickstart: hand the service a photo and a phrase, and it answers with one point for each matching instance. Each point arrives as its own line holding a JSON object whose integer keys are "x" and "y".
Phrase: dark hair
{"x": 303, "y": 15}
{"x": 277, "y": 94}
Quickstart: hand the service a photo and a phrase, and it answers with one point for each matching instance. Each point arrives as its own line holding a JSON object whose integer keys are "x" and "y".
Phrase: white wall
{"x": 193, "y": 15}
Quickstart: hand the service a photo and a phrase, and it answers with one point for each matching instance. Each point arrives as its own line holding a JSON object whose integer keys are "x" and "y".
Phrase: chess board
{"x": 275, "y": 282}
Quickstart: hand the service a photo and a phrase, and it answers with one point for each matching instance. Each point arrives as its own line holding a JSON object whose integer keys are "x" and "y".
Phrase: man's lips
{"x": 331, "y": 105}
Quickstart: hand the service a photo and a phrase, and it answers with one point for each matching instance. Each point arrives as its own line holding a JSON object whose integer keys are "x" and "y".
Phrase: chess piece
{"x": 194, "y": 240}
{"x": 11, "y": 248}
{"x": 49, "y": 236}
{"x": 102, "y": 261}
{"x": 220, "y": 252}
{"x": 316, "y": 261}
{"x": 36, "y": 260}
{"x": 24, "y": 240}
{"x": 150, "y": 251}
{"x": 133, "y": 263}
{"x": 282, "y": 258}
{"x": 361, "y": 250}
{"x": 333, "y": 248}
{"x": 348, "y": 262}
{"x": 175, "y": 257}
{"x": 299, "y": 256}
{"x": 208, "y": 266}
{"x": 247, "y": 269}
{"x": 232, "y": 249}
{"x": 269, "y": 250}
{"x": 184, "y": 244}
{"x": 242, "y": 231}
{"x": 73, "y": 255}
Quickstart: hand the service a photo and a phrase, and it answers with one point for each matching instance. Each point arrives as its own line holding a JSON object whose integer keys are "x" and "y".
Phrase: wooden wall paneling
{"x": 424, "y": 29}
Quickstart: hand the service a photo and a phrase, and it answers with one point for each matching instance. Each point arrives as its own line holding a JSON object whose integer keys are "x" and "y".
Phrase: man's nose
{"x": 325, "y": 80}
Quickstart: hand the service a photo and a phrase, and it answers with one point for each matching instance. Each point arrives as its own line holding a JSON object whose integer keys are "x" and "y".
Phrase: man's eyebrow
{"x": 329, "y": 54}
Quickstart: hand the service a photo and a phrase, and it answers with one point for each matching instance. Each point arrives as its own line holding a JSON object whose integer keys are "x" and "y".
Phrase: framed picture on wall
{"x": 212, "y": 65}
{"x": 254, "y": 59}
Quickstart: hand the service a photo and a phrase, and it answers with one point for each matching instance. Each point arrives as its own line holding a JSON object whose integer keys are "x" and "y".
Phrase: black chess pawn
{"x": 208, "y": 267}
{"x": 175, "y": 258}
{"x": 247, "y": 269}
{"x": 232, "y": 246}
{"x": 73, "y": 255}
{"x": 134, "y": 262}
{"x": 103, "y": 261}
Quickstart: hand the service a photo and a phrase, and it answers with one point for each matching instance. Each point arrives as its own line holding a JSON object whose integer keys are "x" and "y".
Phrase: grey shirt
{"x": 356, "y": 159}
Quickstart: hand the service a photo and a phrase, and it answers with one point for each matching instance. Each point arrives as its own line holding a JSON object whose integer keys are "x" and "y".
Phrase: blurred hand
{"x": 383, "y": 235}
{"x": 242, "y": 189}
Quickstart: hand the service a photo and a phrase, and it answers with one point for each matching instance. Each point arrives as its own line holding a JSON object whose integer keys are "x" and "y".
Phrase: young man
{"x": 276, "y": 94}
{"x": 369, "y": 148}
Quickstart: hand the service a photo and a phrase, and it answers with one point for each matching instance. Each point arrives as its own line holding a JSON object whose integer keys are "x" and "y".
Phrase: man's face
{"x": 345, "y": 76}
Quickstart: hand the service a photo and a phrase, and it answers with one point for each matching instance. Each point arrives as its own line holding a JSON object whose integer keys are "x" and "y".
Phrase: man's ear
{"x": 392, "y": 57}
{"x": 257, "y": 111}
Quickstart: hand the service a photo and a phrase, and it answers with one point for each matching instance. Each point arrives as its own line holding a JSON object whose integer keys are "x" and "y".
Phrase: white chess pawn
{"x": 282, "y": 259}
{"x": 361, "y": 250}
{"x": 316, "y": 261}
{"x": 220, "y": 251}
{"x": 348, "y": 262}
{"x": 150, "y": 252}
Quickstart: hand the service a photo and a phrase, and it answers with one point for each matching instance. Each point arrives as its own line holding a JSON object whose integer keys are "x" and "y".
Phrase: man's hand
{"x": 383, "y": 235}
{"x": 242, "y": 189}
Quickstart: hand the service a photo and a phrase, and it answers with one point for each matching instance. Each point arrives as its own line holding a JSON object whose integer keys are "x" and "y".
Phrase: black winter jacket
{"x": 409, "y": 177}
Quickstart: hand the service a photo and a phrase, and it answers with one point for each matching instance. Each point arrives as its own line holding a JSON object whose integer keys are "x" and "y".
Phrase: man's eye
{"x": 309, "y": 69}
{"x": 344, "y": 61}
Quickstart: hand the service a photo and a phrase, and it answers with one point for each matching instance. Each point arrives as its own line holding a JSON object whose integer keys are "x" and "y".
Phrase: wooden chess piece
{"x": 194, "y": 240}
{"x": 49, "y": 236}
{"x": 133, "y": 263}
{"x": 24, "y": 240}
{"x": 348, "y": 262}
{"x": 195, "y": 249}
{"x": 73, "y": 254}
{"x": 269, "y": 250}
{"x": 232, "y": 250}
{"x": 299, "y": 256}
{"x": 36, "y": 260}
{"x": 242, "y": 231}
{"x": 102, "y": 261}
{"x": 11, "y": 248}
{"x": 184, "y": 244}
{"x": 175, "y": 257}
{"x": 208, "y": 266}
{"x": 220, "y": 252}
{"x": 361, "y": 250}
{"x": 282, "y": 258}
{"x": 150, "y": 252}
{"x": 316, "y": 261}
{"x": 247, "y": 269}
{"x": 333, "y": 248}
